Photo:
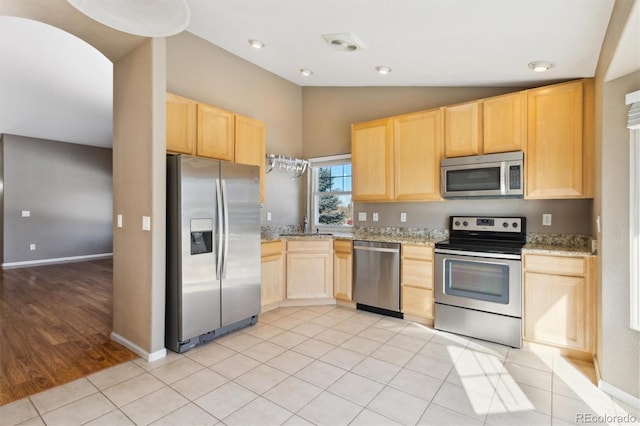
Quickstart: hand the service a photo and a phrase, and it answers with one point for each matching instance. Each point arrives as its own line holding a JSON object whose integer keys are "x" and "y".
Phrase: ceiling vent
{"x": 344, "y": 42}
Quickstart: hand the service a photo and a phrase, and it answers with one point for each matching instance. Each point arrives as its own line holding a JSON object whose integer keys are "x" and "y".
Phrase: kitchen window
{"x": 330, "y": 205}
{"x": 634, "y": 202}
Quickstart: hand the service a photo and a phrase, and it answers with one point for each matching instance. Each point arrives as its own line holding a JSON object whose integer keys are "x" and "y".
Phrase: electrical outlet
{"x": 403, "y": 217}
{"x": 376, "y": 217}
{"x": 146, "y": 223}
{"x": 268, "y": 216}
{"x": 362, "y": 216}
{"x": 546, "y": 219}
{"x": 119, "y": 221}
{"x": 26, "y": 213}
{"x": 32, "y": 246}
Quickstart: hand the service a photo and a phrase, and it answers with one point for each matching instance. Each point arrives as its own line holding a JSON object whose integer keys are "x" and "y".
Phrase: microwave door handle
{"x": 503, "y": 178}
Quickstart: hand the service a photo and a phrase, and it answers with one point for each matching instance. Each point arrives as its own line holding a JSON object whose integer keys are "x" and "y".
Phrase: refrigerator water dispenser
{"x": 201, "y": 236}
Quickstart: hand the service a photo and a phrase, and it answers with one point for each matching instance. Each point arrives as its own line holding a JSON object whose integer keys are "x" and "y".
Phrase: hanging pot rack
{"x": 294, "y": 166}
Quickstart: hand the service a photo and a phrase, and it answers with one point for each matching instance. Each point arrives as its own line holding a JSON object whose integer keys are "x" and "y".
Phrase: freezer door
{"x": 199, "y": 289}
{"x": 241, "y": 256}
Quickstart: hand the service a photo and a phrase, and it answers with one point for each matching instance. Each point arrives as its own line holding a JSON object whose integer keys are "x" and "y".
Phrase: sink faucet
{"x": 305, "y": 223}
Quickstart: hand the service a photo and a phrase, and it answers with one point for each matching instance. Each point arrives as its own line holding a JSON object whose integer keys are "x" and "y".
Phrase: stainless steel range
{"x": 478, "y": 278}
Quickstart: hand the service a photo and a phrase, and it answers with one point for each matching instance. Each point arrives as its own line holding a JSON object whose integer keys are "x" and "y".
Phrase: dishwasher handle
{"x": 385, "y": 250}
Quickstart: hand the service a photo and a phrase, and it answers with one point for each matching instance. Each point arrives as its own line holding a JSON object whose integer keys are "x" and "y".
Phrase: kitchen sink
{"x": 304, "y": 234}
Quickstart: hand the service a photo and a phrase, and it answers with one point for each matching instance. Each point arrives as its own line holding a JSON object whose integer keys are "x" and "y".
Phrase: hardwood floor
{"x": 55, "y": 322}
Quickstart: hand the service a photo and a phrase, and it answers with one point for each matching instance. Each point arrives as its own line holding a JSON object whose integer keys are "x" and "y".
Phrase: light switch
{"x": 119, "y": 221}
{"x": 26, "y": 213}
{"x": 375, "y": 217}
{"x": 146, "y": 223}
{"x": 362, "y": 216}
{"x": 403, "y": 217}
{"x": 268, "y": 216}
{"x": 546, "y": 219}
{"x": 32, "y": 246}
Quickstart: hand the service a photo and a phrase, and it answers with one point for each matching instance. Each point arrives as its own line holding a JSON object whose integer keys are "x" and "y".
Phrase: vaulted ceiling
{"x": 56, "y": 86}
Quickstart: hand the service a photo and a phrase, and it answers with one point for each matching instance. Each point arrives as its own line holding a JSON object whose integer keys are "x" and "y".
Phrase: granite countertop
{"x": 566, "y": 250}
{"x": 557, "y": 244}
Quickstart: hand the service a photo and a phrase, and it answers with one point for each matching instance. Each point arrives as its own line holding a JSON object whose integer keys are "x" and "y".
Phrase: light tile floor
{"x": 329, "y": 365}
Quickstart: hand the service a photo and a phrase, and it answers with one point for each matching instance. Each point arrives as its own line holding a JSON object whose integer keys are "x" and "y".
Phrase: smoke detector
{"x": 344, "y": 42}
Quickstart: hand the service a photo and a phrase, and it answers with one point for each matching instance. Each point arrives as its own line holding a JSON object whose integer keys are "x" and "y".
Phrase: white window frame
{"x": 634, "y": 208}
{"x": 314, "y": 164}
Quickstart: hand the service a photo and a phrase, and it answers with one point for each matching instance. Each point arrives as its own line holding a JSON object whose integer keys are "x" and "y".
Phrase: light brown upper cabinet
{"x": 559, "y": 154}
{"x": 372, "y": 160}
{"x": 398, "y": 158}
{"x": 181, "y": 124}
{"x": 203, "y": 130}
{"x": 505, "y": 123}
{"x": 417, "y": 154}
{"x": 250, "y": 145}
{"x": 215, "y": 133}
{"x": 463, "y": 129}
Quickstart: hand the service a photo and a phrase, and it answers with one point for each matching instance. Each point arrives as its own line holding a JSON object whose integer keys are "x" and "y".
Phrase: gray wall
{"x": 329, "y": 111}
{"x": 68, "y": 190}
{"x": 569, "y": 216}
{"x": 619, "y": 355}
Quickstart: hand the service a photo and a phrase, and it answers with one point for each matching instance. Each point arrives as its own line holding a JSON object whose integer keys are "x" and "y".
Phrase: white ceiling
{"x": 425, "y": 42}
{"x": 55, "y": 86}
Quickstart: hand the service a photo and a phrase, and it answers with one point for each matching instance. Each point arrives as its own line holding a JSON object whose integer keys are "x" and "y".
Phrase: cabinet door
{"x": 250, "y": 145}
{"x": 181, "y": 124}
{"x": 554, "y": 155}
{"x": 309, "y": 269}
{"x": 555, "y": 310}
{"x": 417, "y": 280}
{"x": 372, "y": 160}
{"x": 417, "y": 155}
{"x": 504, "y": 123}
{"x": 463, "y": 129}
{"x": 343, "y": 270}
{"x": 215, "y": 133}
{"x": 272, "y": 269}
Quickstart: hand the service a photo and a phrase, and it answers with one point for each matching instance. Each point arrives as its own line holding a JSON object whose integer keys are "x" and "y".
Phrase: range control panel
{"x": 484, "y": 223}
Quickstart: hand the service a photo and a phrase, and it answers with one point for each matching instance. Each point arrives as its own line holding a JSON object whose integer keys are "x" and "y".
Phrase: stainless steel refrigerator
{"x": 213, "y": 249}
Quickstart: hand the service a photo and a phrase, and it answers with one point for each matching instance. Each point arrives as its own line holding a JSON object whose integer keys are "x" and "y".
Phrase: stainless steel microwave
{"x": 483, "y": 176}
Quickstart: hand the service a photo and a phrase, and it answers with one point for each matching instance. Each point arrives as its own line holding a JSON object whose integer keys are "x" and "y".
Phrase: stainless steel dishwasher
{"x": 376, "y": 277}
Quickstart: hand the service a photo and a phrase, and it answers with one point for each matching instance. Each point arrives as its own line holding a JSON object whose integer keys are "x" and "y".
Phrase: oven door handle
{"x": 479, "y": 254}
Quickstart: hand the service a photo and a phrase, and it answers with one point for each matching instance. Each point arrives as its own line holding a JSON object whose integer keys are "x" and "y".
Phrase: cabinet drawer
{"x": 343, "y": 246}
{"x": 417, "y": 301}
{"x": 309, "y": 245}
{"x": 417, "y": 252}
{"x": 271, "y": 248}
{"x": 417, "y": 273}
{"x": 563, "y": 265}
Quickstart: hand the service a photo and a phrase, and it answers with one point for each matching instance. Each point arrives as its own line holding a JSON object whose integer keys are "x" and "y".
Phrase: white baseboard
{"x": 53, "y": 261}
{"x": 619, "y": 394}
{"x": 615, "y": 392}
{"x": 148, "y": 356}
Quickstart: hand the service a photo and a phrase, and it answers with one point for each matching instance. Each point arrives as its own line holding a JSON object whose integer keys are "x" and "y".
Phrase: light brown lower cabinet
{"x": 417, "y": 281}
{"x": 343, "y": 270}
{"x": 272, "y": 269}
{"x": 559, "y": 301}
{"x": 309, "y": 269}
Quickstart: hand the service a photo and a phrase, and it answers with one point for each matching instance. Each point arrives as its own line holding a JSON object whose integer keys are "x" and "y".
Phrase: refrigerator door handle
{"x": 220, "y": 230}
{"x": 226, "y": 229}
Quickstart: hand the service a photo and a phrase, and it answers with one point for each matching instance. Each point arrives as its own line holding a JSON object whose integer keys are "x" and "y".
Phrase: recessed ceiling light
{"x": 256, "y": 44}
{"x": 383, "y": 70}
{"x": 541, "y": 66}
{"x": 305, "y": 72}
{"x": 344, "y": 42}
